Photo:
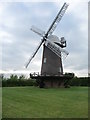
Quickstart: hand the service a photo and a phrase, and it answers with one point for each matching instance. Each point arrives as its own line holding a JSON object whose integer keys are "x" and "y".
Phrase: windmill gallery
{"x": 51, "y": 70}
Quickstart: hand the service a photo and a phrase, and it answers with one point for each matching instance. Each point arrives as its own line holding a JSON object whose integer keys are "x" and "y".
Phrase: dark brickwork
{"x": 51, "y": 63}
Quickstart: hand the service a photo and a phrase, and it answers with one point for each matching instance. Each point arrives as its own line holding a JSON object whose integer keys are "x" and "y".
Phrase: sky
{"x": 18, "y": 42}
{"x": 88, "y": 39}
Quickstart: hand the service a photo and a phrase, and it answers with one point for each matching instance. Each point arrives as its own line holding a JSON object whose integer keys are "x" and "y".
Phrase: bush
{"x": 15, "y": 81}
{"x": 82, "y": 81}
{"x": 22, "y": 81}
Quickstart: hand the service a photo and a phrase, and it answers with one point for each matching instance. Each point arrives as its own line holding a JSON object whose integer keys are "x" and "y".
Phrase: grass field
{"x": 33, "y": 102}
{"x": 0, "y": 103}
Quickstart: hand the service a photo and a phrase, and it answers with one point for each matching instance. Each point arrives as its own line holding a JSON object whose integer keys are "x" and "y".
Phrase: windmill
{"x": 53, "y": 48}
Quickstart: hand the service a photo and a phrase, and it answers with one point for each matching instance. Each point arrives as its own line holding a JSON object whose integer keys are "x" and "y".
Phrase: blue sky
{"x": 18, "y": 42}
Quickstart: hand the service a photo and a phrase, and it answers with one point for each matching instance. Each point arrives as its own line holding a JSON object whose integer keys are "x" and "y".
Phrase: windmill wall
{"x": 51, "y": 63}
{"x": 53, "y": 83}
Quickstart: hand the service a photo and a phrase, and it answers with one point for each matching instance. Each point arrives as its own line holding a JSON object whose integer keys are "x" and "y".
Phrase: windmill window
{"x": 45, "y": 60}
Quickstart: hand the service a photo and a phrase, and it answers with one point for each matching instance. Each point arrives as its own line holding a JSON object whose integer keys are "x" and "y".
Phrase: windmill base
{"x": 52, "y": 81}
{"x": 52, "y": 84}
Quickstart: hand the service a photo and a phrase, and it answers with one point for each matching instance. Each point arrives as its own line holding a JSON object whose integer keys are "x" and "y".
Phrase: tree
{"x": 22, "y": 77}
{"x": 13, "y": 77}
{"x": 1, "y": 76}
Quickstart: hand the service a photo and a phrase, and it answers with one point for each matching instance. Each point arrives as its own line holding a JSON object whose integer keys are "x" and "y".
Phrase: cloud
{"x": 75, "y": 31}
{"x": 19, "y": 43}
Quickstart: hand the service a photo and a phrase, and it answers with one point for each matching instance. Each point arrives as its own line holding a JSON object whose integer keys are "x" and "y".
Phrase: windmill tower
{"x": 51, "y": 60}
{"x": 51, "y": 69}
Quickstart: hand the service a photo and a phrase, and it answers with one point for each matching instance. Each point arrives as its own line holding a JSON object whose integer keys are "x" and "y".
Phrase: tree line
{"x": 14, "y": 80}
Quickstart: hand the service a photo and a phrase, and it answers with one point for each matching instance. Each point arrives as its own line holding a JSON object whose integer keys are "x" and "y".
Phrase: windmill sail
{"x": 38, "y": 31}
{"x": 34, "y": 53}
{"x": 56, "y": 49}
{"x": 57, "y": 19}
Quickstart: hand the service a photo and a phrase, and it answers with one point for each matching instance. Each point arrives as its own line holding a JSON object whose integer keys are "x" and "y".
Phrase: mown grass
{"x": 33, "y": 102}
{"x": 0, "y": 103}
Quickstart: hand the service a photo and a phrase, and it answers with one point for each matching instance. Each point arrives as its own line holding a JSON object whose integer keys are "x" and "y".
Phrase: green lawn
{"x": 33, "y": 102}
{"x": 0, "y": 103}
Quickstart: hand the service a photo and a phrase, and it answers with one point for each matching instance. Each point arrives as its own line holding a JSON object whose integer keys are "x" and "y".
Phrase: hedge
{"x": 13, "y": 83}
{"x": 82, "y": 81}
